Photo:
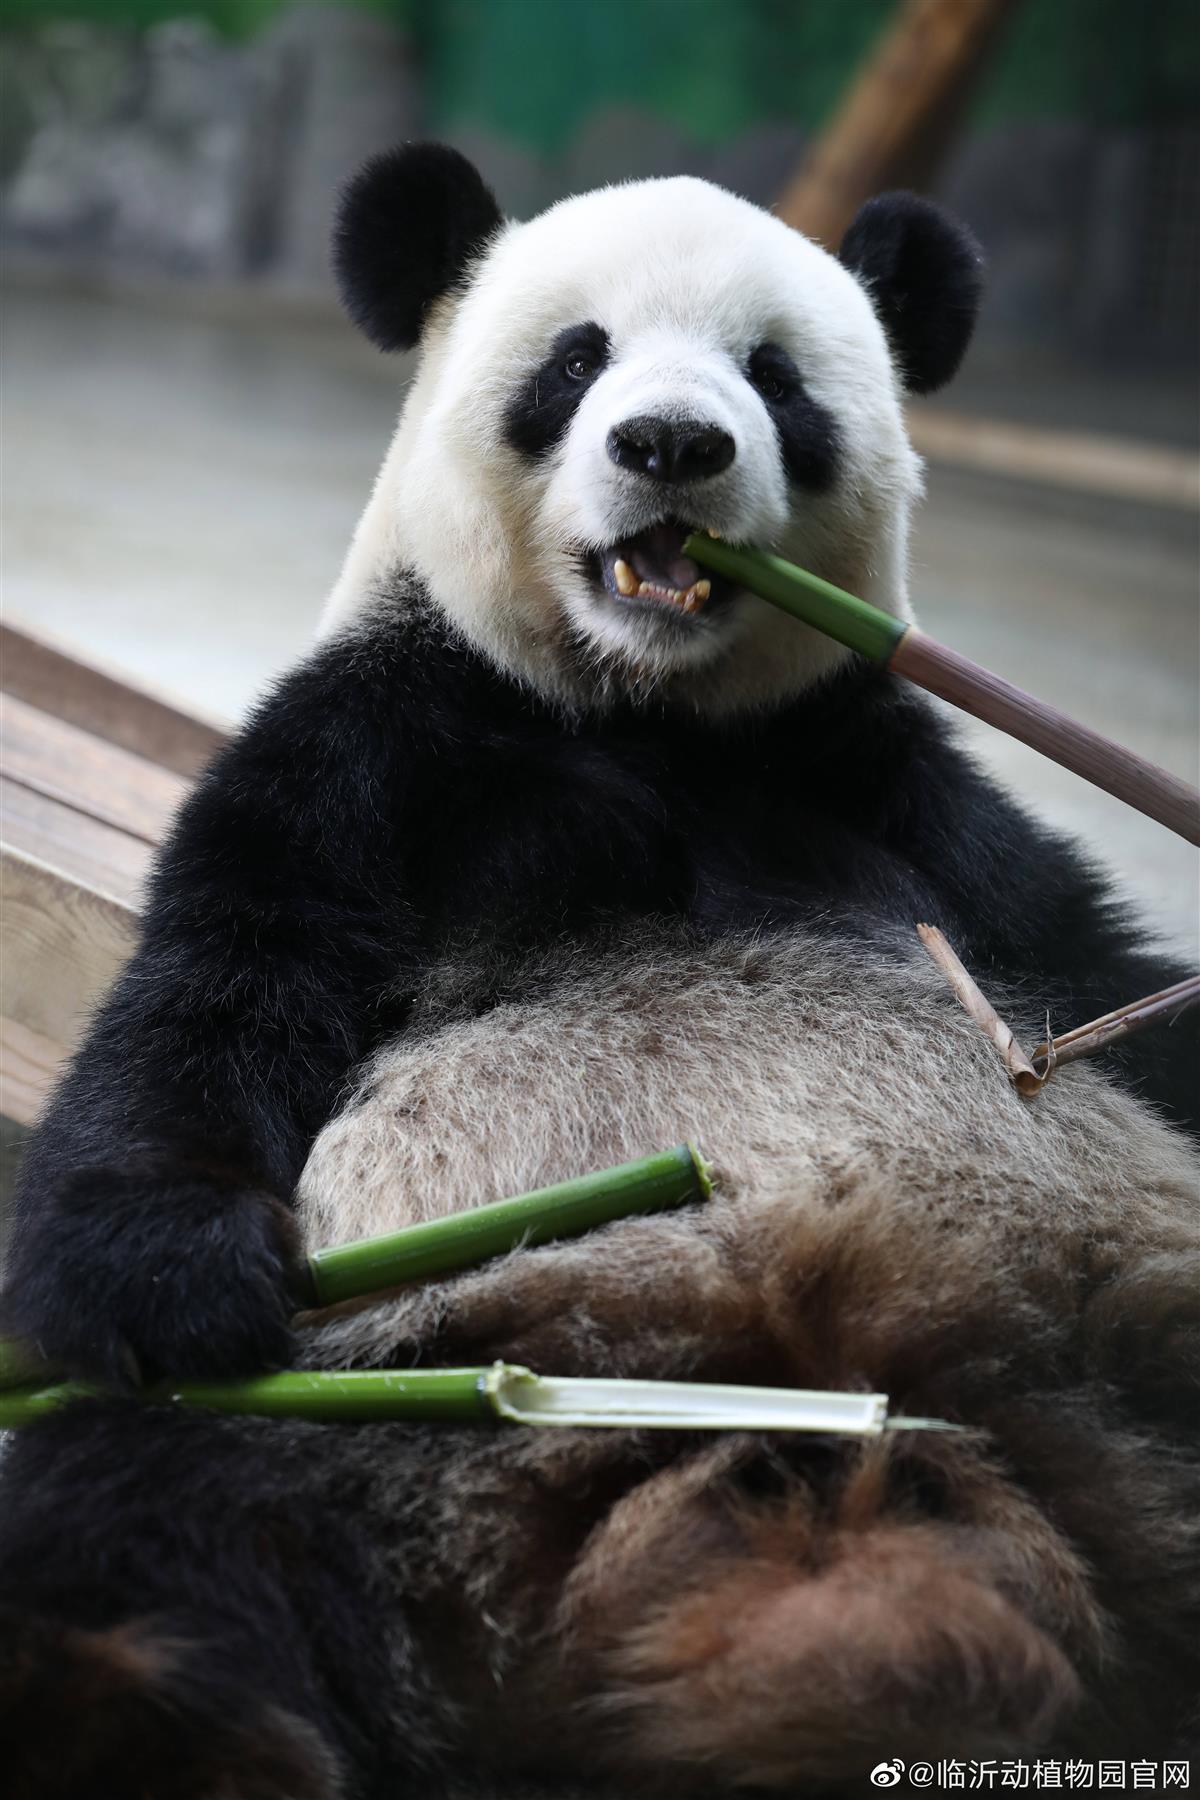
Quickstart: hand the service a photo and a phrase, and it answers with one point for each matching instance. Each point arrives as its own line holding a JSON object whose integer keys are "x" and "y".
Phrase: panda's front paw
{"x": 125, "y": 1276}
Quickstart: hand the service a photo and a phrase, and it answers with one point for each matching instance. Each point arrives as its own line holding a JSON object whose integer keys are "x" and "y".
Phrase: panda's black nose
{"x": 670, "y": 449}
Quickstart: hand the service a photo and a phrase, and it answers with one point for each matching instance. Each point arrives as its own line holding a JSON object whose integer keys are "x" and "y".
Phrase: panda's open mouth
{"x": 651, "y": 568}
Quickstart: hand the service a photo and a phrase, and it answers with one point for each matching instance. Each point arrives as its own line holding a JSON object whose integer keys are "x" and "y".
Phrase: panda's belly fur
{"x": 888, "y": 1216}
{"x": 825, "y": 1082}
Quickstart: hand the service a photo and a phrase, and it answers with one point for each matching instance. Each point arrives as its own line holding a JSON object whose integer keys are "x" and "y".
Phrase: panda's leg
{"x": 771, "y": 1625}
{"x": 190, "y": 1607}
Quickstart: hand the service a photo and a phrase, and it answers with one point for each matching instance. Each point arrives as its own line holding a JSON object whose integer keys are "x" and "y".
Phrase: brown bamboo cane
{"x": 965, "y": 684}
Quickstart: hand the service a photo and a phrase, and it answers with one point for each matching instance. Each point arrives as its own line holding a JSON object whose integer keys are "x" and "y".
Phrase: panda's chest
{"x": 545, "y": 831}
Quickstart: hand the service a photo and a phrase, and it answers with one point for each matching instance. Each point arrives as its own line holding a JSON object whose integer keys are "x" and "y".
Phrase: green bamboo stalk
{"x": 343, "y": 1394}
{"x": 420, "y": 1252}
{"x": 503, "y": 1392}
{"x": 337, "y": 1395}
{"x": 868, "y": 629}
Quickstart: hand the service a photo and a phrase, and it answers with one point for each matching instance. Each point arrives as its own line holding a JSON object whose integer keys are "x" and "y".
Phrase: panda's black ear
{"x": 406, "y": 227}
{"x": 924, "y": 273}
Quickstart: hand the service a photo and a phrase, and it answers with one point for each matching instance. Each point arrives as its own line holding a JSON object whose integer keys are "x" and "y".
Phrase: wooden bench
{"x": 91, "y": 771}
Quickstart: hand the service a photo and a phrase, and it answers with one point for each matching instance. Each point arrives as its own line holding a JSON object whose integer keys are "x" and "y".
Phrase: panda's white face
{"x": 635, "y": 363}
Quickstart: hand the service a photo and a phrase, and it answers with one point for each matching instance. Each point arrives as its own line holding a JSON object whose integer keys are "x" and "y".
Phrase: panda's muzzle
{"x": 651, "y": 567}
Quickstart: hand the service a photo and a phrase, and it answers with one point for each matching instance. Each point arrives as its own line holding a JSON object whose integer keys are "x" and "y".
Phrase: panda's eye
{"x": 581, "y": 365}
{"x": 772, "y": 373}
{"x": 768, "y": 385}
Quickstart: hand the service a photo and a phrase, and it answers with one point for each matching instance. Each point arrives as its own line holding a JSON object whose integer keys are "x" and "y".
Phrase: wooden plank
{"x": 44, "y": 673}
{"x": 82, "y": 849}
{"x": 82, "y": 771}
{"x": 894, "y": 123}
{"x": 63, "y": 945}
{"x": 82, "y": 811}
{"x": 30, "y": 1065}
{"x": 1119, "y": 467}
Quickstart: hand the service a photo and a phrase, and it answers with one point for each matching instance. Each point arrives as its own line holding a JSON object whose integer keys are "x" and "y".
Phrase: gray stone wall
{"x": 173, "y": 152}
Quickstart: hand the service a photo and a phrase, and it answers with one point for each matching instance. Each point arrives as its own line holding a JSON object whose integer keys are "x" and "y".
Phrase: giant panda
{"x": 547, "y": 856}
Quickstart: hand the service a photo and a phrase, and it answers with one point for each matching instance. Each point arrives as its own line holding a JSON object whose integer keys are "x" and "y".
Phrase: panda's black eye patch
{"x": 544, "y": 404}
{"x": 807, "y": 434}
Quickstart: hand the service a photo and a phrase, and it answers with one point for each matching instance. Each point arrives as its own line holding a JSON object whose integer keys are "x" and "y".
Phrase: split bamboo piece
{"x": 1021, "y": 1072}
{"x": 1029, "y": 1073}
{"x": 909, "y": 652}
{"x": 1099, "y": 1034}
{"x": 509, "y": 1393}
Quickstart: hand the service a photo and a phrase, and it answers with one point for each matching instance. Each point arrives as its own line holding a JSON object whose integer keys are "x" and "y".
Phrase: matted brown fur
{"x": 704, "y": 1614}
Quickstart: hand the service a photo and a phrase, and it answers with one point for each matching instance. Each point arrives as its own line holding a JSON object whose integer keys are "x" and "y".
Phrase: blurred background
{"x": 189, "y": 430}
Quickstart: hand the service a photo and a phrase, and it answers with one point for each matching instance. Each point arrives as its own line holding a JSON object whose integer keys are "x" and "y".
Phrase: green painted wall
{"x": 531, "y": 69}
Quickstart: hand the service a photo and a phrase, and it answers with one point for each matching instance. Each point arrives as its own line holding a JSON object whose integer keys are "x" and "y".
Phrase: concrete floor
{"x": 178, "y": 493}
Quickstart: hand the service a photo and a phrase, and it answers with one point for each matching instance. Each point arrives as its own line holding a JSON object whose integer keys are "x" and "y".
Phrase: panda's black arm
{"x": 152, "y": 1214}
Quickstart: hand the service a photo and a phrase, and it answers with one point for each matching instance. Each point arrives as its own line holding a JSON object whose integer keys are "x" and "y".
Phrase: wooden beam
{"x": 892, "y": 126}
{"x": 1118, "y": 467}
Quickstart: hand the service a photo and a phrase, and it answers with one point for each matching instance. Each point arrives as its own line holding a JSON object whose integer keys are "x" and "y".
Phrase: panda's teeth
{"x": 650, "y": 590}
{"x": 689, "y": 600}
{"x": 626, "y": 580}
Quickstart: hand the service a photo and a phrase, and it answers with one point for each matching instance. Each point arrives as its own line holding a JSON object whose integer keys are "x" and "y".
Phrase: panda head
{"x": 635, "y": 363}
